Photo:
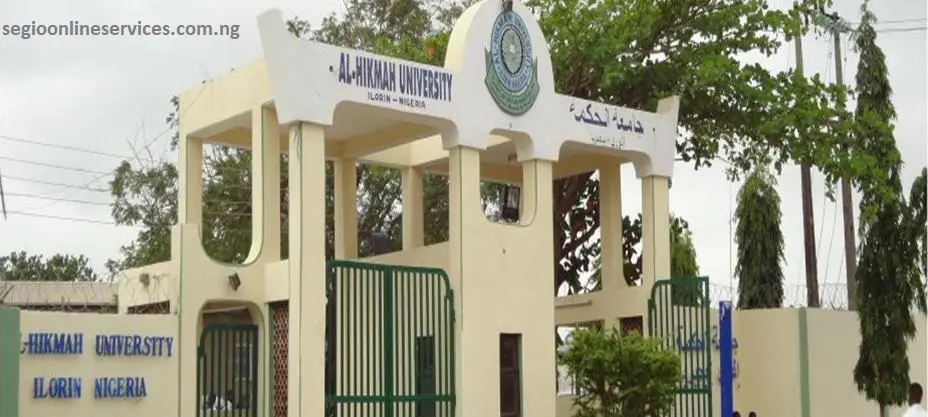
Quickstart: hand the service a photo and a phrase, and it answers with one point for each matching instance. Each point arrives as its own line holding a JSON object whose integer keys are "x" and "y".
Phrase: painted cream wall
{"x": 161, "y": 373}
{"x": 503, "y": 285}
{"x": 162, "y": 286}
{"x": 505, "y": 271}
{"x": 768, "y": 357}
{"x": 770, "y": 380}
{"x": 833, "y": 349}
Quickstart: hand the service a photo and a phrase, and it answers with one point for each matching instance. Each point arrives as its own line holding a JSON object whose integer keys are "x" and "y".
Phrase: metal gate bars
{"x": 227, "y": 371}
{"x": 678, "y": 314}
{"x": 389, "y": 341}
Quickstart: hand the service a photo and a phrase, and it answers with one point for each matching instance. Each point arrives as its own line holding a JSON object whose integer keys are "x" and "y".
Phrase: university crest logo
{"x": 512, "y": 71}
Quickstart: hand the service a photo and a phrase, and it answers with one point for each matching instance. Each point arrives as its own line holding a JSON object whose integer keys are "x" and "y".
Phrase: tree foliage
{"x": 620, "y": 376}
{"x": 682, "y": 252}
{"x": 20, "y": 266}
{"x": 918, "y": 203}
{"x": 631, "y": 54}
{"x": 683, "y": 261}
{"x": 889, "y": 285}
{"x": 144, "y": 190}
{"x": 760, "y": 242}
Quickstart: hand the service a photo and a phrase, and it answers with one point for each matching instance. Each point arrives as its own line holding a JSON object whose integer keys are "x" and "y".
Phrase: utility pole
{"x": 2, "y": 198}
{"x": 834, "y": 24}
{"x": 808, "y": 221}
{"x": 847, "y": 204}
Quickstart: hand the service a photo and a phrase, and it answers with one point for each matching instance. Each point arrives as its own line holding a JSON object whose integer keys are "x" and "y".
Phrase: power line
{"x": 86, "y": 184}
{"x": 71, "y": 219}
{"x": 206, "y": 83}
{"x": 65, "y": 200}
{"x": 53, "y": 145}
{"x": 831, "y": 241}
{"x": 889, "y": 22}
{"x": 912, "y": 29}
{"x": 148, "y": 144}
{"x": 28, "y": 162}
{"x": 57, "y": 184}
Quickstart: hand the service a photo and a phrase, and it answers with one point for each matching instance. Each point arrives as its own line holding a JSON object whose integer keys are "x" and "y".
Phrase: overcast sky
{"x": 102, "y": 93}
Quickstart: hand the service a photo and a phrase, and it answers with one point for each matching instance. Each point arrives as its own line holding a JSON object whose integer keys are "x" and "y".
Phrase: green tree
{"x": 630, "y": 53}
{"x": 760, "y": 242}
{"x": 20, "y": 266}
{"x": 620, "y": 376}
{"x": 144, "y": 190}
{"x": 918, "y": 205}
{"x": 889, "y": 286}
{"x": 682, "y": 253}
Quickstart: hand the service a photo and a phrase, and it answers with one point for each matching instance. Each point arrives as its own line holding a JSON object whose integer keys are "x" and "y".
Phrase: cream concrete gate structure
{"x": 490, "y": 113}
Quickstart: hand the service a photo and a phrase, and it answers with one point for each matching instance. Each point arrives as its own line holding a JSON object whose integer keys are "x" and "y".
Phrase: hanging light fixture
{"x": 509, "y": 203}
{"x": 234, "y": 281}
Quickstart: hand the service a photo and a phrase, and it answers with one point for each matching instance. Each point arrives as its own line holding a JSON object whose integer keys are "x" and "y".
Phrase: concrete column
{"x": 346, "y": 208}
{"x": 306, "y": 332}
{"x": 610, "y": 226}
{"x": 466, "y": 222}
{"x": 265, "y": 188}
{"x": 413, "y": 221}
{"x": 655, "y": 230}
{"x": 190, "y": 180}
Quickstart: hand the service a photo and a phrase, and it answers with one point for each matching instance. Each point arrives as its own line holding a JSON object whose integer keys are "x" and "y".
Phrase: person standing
{"x": 916, "y": 409}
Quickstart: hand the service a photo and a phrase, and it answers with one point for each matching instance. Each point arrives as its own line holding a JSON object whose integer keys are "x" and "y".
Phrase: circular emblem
{"x": 511, "y": 52}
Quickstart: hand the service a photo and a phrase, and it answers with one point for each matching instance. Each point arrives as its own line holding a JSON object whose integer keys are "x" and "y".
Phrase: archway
{"x": 227, "y": 360}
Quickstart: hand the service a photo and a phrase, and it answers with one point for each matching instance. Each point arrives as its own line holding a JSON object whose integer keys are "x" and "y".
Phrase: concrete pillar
{"x": 265, "y": 188}
{"x": 610, "y": 226}
{"x": 465, "y": 223}
{"x": 413, "y": 221}
{"x": 655, "y": 230}
{"x": 346, "y": 208}
{"x": 190, "y": 180}
{"x": 306, "y": 333}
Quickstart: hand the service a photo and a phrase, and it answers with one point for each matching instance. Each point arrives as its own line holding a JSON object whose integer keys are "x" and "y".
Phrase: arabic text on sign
{"x": 394, "y": 77}
{"x": 602, "y": 118}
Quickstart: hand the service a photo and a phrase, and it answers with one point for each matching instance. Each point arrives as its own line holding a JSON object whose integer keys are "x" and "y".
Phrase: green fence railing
{"x": 227, "y": 371}
{"x": 389, "y": 341}
{"x": 678, "y": 315}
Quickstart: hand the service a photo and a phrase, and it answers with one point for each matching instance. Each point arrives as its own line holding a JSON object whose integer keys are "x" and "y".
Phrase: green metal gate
{"x": 678, "y": 314}
{"x": 10, "y": 345}
{"x": 227, "y": 371}
{"x": 389, "y": 341}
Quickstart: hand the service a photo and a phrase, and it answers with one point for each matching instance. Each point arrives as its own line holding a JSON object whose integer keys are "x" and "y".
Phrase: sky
{"x": 107, "y": 93}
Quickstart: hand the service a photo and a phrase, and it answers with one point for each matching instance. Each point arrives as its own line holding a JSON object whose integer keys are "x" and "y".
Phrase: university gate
{"x": 389, "y": 341}
{"x": 227, "y": 371}
{"x": 678, "y": 315}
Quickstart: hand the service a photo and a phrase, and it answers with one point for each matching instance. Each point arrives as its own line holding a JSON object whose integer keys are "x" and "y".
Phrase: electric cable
{"x": 831, "y": 241}
{"x": 56, "y": 184}
{"x": 65, "y": 147}
{"x": 65, "y": 218}
{"x": 65, "y": 200}
{"x": 47, "y": 165}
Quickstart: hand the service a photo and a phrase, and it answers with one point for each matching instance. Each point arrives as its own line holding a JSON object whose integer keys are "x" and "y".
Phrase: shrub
{"x": 621, "y": 376}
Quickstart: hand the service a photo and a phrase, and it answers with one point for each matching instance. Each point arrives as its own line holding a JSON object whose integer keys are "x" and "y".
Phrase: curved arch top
{"x": 497, "y": 77}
